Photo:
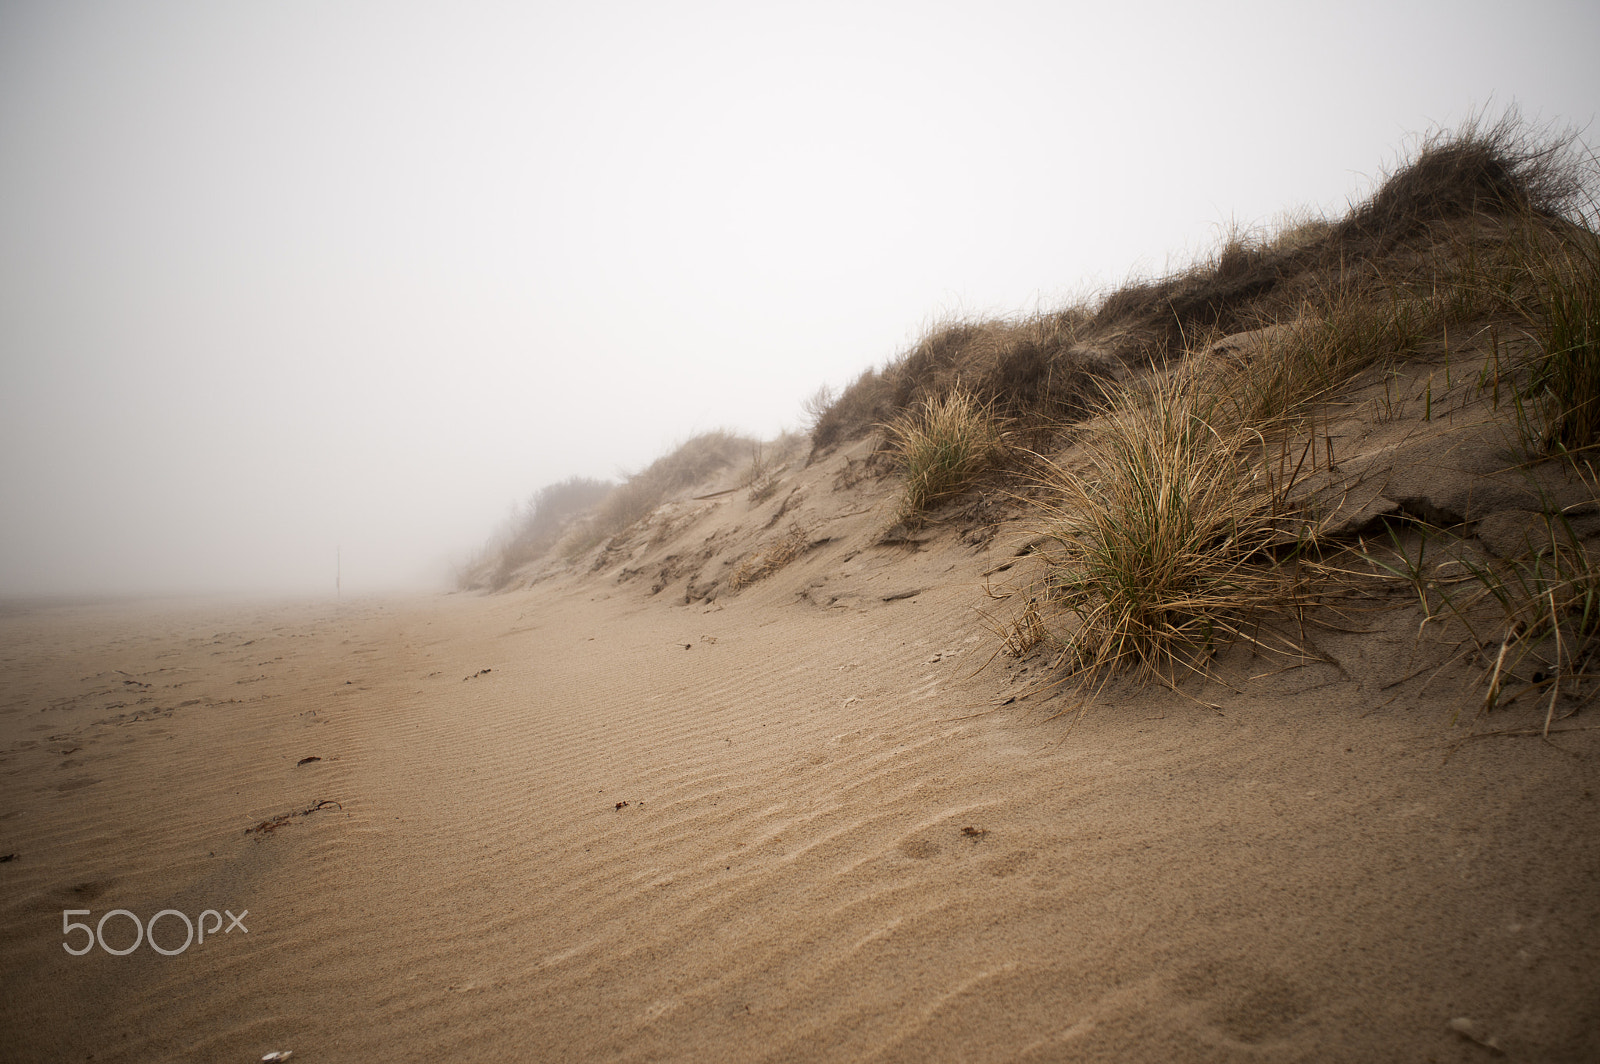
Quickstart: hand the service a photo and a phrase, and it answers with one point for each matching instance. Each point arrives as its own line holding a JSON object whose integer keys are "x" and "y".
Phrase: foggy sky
{"x": 280, "y": 279}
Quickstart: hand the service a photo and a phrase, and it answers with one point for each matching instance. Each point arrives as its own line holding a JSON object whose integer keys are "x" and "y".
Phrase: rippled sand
{"x": 574, "y": 823}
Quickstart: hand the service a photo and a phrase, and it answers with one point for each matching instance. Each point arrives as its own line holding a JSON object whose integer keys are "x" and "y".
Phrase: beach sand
{"x": 578, "y": 822}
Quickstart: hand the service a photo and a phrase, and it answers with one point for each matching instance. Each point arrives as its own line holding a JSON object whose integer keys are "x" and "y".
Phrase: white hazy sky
{"x": 280, "y": 278}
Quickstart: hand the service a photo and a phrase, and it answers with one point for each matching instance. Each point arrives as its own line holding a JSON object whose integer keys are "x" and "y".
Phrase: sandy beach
{"x": 579, "y": 821}
{"x": 799, "y": 534}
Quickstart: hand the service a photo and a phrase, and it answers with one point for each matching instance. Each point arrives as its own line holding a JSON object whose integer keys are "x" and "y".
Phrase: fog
{"x": 287, "y": 281}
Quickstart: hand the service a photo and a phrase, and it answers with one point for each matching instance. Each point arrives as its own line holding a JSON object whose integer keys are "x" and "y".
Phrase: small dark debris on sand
{"x": 267, "y": 827}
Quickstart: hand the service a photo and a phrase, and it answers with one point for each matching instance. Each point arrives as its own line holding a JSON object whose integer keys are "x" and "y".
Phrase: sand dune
{"x": 581, "y": 822}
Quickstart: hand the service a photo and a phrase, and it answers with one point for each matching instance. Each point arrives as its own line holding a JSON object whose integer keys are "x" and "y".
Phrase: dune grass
{"x": 1173, "y": 530}
{"x": 1368, "y": 282}
{"x": 1545, "y": 618}
{"x": 1532, "y": 620}
{"x": 1329, "y": 339}
{"x": 768, "y": 460}
{"x": 1565, "y": 379}
{"x": 1171, "y": 524}
{"x": 1024, "y": 632}
{"x": 1027, "y": 366}
{"x": 1162, "y": 537}
{"x": 942, "y": 447}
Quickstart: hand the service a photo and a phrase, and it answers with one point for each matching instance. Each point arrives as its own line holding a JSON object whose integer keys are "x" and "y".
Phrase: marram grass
{"x": 942, "y": 447}
{"x": 1566, "y": 380}
{"x": 1162, "y": 538}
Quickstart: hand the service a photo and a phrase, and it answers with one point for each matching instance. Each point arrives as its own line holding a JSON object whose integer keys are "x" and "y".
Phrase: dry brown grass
{"x": 768, "y": 460}
{"x": 1026, "y": 366}
{"x": 1025, "y": 632}
{"x": 1532, "y": 620}
{"x": 1332, "y": 337}
{"x": 1173, "y": 541}
{"x": 1501, "y": 169}
{"x": 943, "y": 447}
{"x": 769, "y": 559}
{"x": 1163, "y": 544}
{"x": 1563, "y": 272}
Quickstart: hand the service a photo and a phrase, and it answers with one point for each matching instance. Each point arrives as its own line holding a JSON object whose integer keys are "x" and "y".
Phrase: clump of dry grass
{"x": 1332, "y": 337}
{"x": 1565, "y": 379}
{"x": 764, "y": 489}
{"x": 1500, "y": 169}
{"x": 1162, "y": 541}
{"x": 1165, "y": 541}
{"x": 942, "y": 447}
{"x": 1021, "y": 635}
{"x": 1024, "y": 366}
{"x": 763, "y": 563}
{"x": 815, "y": 407}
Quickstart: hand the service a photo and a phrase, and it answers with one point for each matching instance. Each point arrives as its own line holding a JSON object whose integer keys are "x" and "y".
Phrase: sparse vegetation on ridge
{"x": 1393, "y": 247}
{"x": 687, "y": 464}
{"x": 1033, "y": 365}
{"x": 571, "y": 517}
{"x": 1529, "y": 619}
{"x": 1332, "y": 336}
{"x": 768, "y": 460}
